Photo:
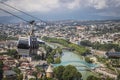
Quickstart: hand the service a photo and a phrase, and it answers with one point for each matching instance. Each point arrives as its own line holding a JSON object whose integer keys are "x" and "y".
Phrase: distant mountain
{"x": 12, "y": 19}
{"x": 9, "y": 19}
{"x": 82, "y": 22}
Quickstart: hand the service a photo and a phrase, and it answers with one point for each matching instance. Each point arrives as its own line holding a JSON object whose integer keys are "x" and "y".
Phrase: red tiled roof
{"x": 5, "y": 67}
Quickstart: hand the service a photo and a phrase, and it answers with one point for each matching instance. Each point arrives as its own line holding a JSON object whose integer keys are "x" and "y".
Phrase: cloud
{"x": 73, "y": 4}
{"x": 44, "y": 5}
{"x": 96, "y": 7}
{"x": 98, "y": 4}
{"x": 34, "y": 5}
{"x": 48, "y": 5}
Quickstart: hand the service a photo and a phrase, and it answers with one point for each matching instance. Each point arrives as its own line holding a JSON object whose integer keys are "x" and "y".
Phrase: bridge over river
{"x": 80, "y": 65}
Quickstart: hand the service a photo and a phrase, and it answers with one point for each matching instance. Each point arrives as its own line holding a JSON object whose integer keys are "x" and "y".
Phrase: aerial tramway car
{"x": 28, "y": 46}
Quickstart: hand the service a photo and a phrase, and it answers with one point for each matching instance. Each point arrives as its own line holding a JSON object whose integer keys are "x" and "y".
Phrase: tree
{"x": 12, "y": 52}
{"x": 57, "y": 60}
{"x": 4, "y": 79}
{"x": 91, "y": 77}
{"x": 50, "y": 59}
{"x": 37, "y": 57}
{"x": 71, "y": 73}
{"x": 48, "y": 49}
{"x": 17, "y": 70}
{"x": 108, "y": 78}
{"x": 59, "y": 50}
{"x": 106, "y": 47}
{"x": 20, "y": 77}
{"x": 67, "y": 73}
{"x": 35, "y": 74}
{"x": 1, "y": 71}
{"x": 1, "y": 64}
{"x": 45, "y": 79}
{"x": 118, "y": 77}
{"x": 32, "y": 79}
{"x": 78, "y": 48}
{"x": 87, "y": 59}
{"x": 78, "y": 76}
{"x": 86, "y": 43}
{"x": 59, "y": 72}
{"x": 49, "y": 79}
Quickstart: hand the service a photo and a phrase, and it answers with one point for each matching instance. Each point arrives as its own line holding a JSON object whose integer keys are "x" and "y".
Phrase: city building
{"x": 113, "y": 54}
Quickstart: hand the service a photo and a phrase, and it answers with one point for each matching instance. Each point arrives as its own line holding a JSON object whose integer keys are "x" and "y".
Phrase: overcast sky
{"x": 64, "y": 9}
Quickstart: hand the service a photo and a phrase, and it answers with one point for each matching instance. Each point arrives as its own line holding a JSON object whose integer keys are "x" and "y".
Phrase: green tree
{"x": 1, "y": 71}
{"x": 118, "y": 77}
{"x": 12, "y": 52}
{"x": 1, "y": 64}
{"x": 87, "y": 59}
{"x": 93, "y": 78}
{"x": 50, "y": 59}
{"x": 20, "y": 77}
{"x": 59, "y": 72}
{"x": 106, "y": 47}
{"x": 48, "y": 49}
{"x": 49, "y": 78}
{"x": 78, "y": 76}
{"x": 35, "y": 74}
{"x": 57, "y": 61}
{"x": 32, "y": 79}
{"x": 67, "y": 73}
{"x": 59, "y": 50}
{"x": 86, "y": 43}
{"x": 78, "y": 48}
{"x": 17, "y": 70}
{"x": 4, "y": 79}
{"x": 71, "y": 73}
{"x": 108, "y": 78}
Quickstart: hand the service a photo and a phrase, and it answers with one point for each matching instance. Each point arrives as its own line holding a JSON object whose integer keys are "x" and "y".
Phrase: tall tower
{"x": 49, "y": 72}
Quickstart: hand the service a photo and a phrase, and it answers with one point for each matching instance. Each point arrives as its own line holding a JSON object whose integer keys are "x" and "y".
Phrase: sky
{"x": 63, "y": 9}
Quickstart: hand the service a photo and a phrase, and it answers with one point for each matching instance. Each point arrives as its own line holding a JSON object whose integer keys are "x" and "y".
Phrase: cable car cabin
{"x": 34, "y": 45}
{"x": 23, "y": 47}
{"x": 27, "y": 46}
{"x": 23, "y": 43}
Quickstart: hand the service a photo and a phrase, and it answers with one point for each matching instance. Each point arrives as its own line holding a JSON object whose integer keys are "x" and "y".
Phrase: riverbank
{"x": 71, "y": 46}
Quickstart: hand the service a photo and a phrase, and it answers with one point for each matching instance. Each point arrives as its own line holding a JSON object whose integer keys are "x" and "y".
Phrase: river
{"x": 71, "y": 58}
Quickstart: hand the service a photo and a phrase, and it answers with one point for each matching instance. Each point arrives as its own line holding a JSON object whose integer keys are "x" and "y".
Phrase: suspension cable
{"x": 21, "y": 11}
{"x": 13, "y": 14}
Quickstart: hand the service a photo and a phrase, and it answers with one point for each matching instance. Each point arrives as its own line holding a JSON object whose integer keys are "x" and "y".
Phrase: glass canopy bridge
{"x": 80, "y": 65}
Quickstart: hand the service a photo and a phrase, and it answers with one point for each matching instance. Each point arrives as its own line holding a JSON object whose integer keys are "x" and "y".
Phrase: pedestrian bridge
{"x": 80, "y": 65}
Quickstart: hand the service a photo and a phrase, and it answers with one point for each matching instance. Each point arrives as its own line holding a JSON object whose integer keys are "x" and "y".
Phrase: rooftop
{"x": 49, "y": 69}
{"x": 9, "y": 72}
